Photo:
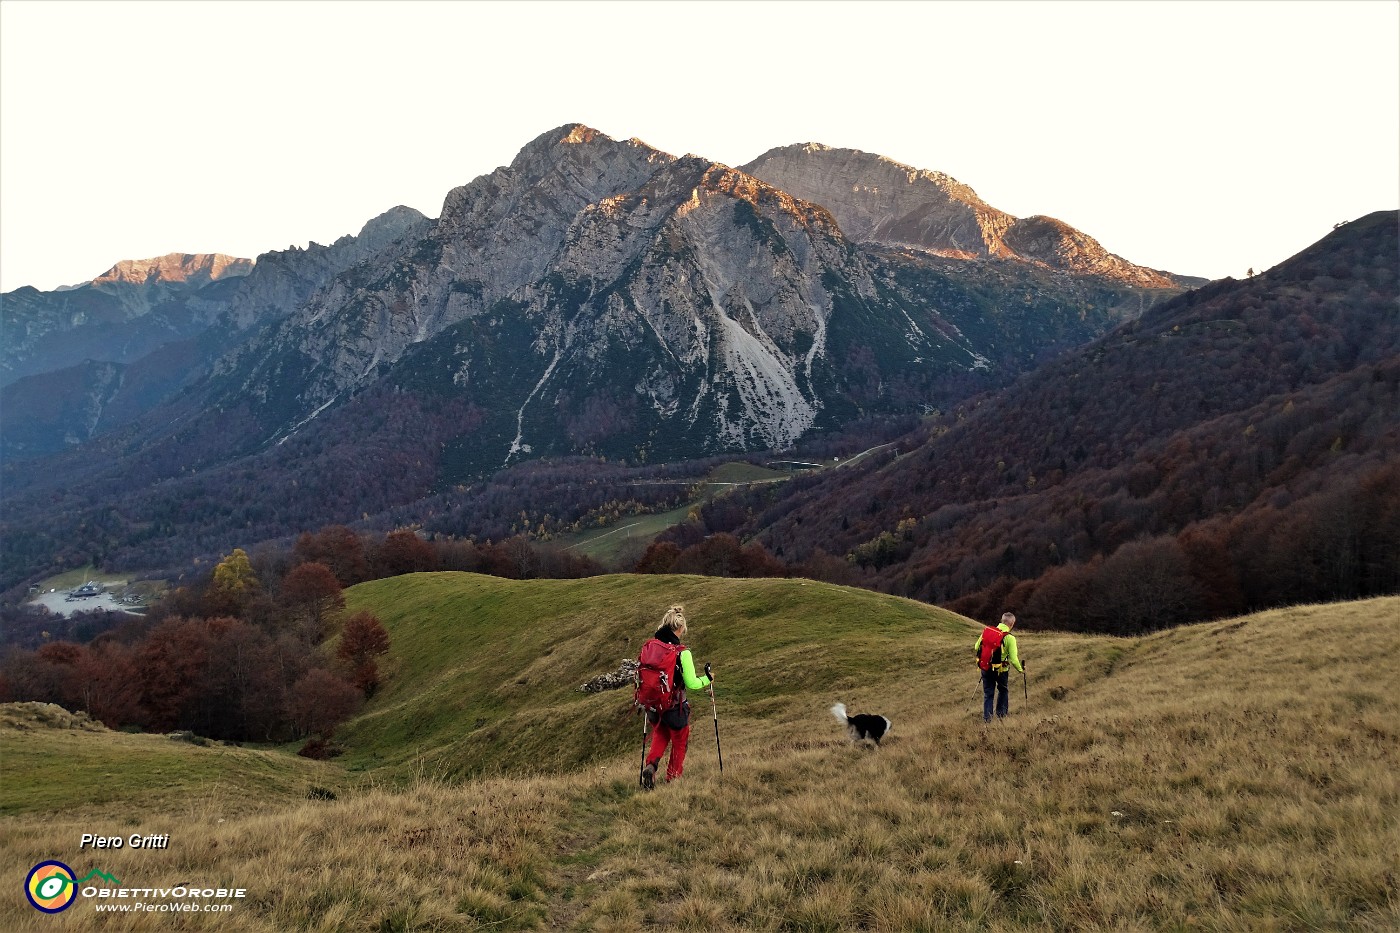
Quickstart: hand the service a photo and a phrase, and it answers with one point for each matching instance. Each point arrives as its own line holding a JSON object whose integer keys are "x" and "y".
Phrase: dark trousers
{"x": 995, "y": 682}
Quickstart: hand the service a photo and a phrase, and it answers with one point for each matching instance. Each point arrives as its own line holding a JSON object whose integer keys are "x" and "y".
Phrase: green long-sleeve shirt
{"x": 1009, "y": 657}
{"x": 688, "y": 676}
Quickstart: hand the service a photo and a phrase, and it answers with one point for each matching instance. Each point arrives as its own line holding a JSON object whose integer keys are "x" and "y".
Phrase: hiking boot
{"x": 649, "y": 776}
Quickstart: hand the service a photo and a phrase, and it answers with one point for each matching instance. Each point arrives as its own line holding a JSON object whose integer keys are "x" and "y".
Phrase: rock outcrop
{"x": 189, "y": 268}
{"x": 282, "y": 280}
{"x": 879, "y": 200}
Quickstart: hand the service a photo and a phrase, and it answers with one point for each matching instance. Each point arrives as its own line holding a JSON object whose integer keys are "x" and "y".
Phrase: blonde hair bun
{"x": 674, "y": 619}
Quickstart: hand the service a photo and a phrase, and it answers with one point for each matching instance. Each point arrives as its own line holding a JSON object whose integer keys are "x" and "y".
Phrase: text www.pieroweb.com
{"x": 184, "y": 900}
{"x": 182, "y": 908}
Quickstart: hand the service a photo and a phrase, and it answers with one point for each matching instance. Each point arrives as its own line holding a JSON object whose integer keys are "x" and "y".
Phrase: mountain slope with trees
{"x": 94, "y": 359}
{"x": 594, "y": 298}
{"x": 1235, "y": 448}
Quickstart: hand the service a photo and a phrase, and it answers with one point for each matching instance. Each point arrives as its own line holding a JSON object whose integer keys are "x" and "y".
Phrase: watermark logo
{"x": 51, "y": 887}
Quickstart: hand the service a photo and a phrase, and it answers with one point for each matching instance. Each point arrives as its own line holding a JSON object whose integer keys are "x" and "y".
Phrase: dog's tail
{"x": 839, "y": 711}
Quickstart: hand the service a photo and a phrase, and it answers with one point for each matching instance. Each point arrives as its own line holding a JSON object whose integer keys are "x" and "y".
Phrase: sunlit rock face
{"x": 599, "y": 295}
{"x": 878, "y": 200}
{"x": 195, "y": 269}
{"x": 693, "y": 290}
{"x": 712, "y": 285}
{"x": 497, "y": 235}
{"x": 1060, "y": 246}
{"x": 502, "y": 230}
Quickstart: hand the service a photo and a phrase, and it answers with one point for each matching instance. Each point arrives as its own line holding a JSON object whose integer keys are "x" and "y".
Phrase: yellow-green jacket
{"x": 1009, "y": 657}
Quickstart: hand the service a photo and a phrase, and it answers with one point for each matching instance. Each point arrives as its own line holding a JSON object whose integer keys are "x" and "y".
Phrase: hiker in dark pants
{"x": 996, "y": 663}
{"x": 673, "y": 725}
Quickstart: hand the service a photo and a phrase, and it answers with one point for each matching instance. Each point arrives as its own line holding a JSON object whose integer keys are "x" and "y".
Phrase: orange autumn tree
{"x": 362, "y": 640}
{"x": 311, "y": 591}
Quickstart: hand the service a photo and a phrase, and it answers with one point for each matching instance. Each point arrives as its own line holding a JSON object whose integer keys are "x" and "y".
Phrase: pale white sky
{"x": 1199, "y": 137}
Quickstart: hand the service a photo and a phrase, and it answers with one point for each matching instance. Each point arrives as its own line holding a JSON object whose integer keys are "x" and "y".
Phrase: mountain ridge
{"x": 174, "y": 267}
{"x": 594, "y": 297}
{"x": 900, "y": 206}
{"x": 563, "y": 188}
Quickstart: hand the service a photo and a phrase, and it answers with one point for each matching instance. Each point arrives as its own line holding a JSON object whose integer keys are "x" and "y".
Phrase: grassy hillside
{"x": 620, "y": 544}
{"x": 52, "y": 762}
{"x": 1229, "y": 776}
{"x": 624, "y": 540}
{"x": 485, "y": 673}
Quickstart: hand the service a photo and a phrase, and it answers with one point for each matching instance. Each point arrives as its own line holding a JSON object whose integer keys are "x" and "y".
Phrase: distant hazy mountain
{"x": 138, "y": 334}
{"x": 117, "y": 317}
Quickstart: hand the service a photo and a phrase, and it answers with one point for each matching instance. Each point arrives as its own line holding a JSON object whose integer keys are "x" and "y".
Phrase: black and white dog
{"x": 862, "y": 725}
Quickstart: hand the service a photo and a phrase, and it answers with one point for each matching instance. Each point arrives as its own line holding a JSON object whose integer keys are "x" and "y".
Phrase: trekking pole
{"x": 1024, "y": 685}
{"x": 715, "y": 709}
{"x": 644, "y": 749}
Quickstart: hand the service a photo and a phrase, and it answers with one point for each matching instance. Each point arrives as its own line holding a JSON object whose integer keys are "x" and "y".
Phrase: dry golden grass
{"x": 1229, "y": 776}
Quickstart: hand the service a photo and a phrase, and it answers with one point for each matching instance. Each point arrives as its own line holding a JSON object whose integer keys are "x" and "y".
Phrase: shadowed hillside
{"x": 1233, "y": 449}
{"x": 1238, "y": 775}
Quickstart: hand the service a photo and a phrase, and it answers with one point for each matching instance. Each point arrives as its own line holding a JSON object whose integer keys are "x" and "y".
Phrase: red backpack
{"x": 991, "y": 648}
{"x": 656, "y": 688}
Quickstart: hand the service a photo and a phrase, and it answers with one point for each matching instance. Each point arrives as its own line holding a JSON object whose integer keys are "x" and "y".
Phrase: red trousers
{"x": 662, "y": 734}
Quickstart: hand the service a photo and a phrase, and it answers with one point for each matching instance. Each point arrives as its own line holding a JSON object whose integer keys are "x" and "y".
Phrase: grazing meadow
{"x": 1234, "y": 775}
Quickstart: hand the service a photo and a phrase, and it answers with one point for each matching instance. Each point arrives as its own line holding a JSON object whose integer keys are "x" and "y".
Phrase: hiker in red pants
{"x": 672, "y": 725}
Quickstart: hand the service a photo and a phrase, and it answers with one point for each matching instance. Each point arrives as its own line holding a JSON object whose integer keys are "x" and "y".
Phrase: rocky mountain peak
{"x": 556, "y": 173}
{"x": 878, "y": 200}
{"x": 189, "y": 290}
{"x": 189, "y": 268}
{"x": 284, "y": 279}
{"x": 579, "y": 143}
{"x": 389, "y": 226}
{"x": 578, "y": 133}
{"x": 392, "y": 224}
{"x": 1060, "y": 246}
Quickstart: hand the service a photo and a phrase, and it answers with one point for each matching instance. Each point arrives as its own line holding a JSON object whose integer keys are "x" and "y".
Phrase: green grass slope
{"x": 1235, "y": 775}
{"x": 624, "y": 540}
{"x": 52, "y": 763}
{"x": 621, "y": 543}
{"x": 484, "y": 673}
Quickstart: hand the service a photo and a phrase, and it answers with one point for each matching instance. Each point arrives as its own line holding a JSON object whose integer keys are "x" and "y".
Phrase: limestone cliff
{"x": 283, "y": 280}
{"x": 598, "y": 294}
{"x": 879, "y": 200}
